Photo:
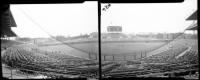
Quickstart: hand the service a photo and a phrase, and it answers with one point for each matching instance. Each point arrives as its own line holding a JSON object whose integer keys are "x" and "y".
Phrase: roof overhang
{"x": 7, "y": 21}
{"x": 7, "y": 32}
{"x": 193, "y": 27}
{"x": 193, "y": 16}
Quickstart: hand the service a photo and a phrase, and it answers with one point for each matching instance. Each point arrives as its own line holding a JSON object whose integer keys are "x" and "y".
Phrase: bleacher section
{"x": 42, "y": 62}
{"x": 31, "y": 58}
{"x": 162, "y": 64}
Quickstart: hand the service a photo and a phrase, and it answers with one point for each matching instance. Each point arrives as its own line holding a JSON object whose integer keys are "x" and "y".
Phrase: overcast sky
{"x": 55, "y": 19}
{"x": 149, "y": 17}
{"x": 36, "y": 20}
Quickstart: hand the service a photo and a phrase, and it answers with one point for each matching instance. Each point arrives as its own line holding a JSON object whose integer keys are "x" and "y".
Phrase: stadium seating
{"x": 34, "y": 60}
{"x": 28, "y": 57}
{"x": 164, "y": 62}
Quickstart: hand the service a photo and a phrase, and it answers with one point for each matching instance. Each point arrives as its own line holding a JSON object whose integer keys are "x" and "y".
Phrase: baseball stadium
{"x": 122, "y": 55}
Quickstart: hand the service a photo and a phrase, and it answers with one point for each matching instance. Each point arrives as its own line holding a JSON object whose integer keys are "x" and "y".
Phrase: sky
{"x": 149, "y": 17}
{"x": 40, "y": 20}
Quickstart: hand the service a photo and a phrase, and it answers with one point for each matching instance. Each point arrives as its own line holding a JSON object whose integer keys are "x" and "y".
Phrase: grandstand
{"x": 27, "y": 57}
{"x": 178, "y": 58}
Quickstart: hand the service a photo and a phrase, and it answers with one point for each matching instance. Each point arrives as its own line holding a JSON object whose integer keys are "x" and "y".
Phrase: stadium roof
{"x": 193, "y": 16}
{"x": 12, "y": 21}
{"x": 193, "y": 27}
{"x": 8, "y": 32}
{"x": 7, "y": 21}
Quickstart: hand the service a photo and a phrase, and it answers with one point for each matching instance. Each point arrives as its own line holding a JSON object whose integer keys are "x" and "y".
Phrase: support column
{"x": 104, "y": 57}
{"x": 124, "y": 57}
{"x": 167, "y": 36}
{"x": 145, "y": 54}
{"x": 27, "y": 76}
{"x": 135, "y": 56}
{"x": 89, "y": 55}
{"x": 11, "y": 74}
{"x": 95, "y": 56}
{"x": 113, "y": 57}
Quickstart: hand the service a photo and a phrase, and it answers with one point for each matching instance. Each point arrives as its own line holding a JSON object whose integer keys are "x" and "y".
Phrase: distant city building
{"x": 114, "y": 32}
{"x": 114, "y": 29}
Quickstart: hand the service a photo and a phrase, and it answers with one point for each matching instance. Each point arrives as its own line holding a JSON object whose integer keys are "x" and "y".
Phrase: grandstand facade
{"x": 193, "y": 27}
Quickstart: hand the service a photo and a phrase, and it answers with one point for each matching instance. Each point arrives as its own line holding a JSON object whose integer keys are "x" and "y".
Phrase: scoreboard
{"x": 114, "y": 29}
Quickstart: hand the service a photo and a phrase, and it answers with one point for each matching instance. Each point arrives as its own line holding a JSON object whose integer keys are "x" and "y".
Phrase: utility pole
{"x": 99, "y": 37}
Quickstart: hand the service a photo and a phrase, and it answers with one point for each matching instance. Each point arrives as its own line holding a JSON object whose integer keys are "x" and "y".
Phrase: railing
{"x": 119, "y": 57}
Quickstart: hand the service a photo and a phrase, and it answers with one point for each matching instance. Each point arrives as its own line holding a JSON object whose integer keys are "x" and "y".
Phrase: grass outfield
{"x": 112, "y": 47}
{"x": 122, "y": 49}
{"x": 119, "y": 48}
{"x": 109, "y": 47}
